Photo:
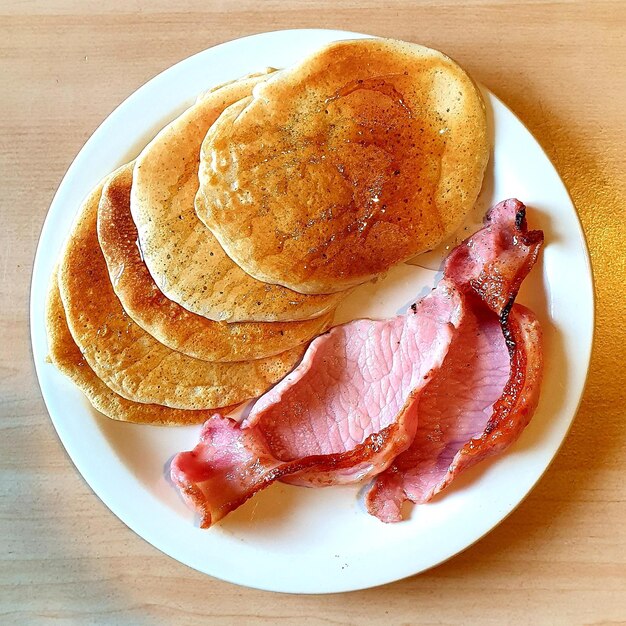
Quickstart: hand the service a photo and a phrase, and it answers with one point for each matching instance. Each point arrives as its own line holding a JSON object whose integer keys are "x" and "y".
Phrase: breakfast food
{"x": 327, "y": 423}
{"x": 438, "y": 389}
{"x": 132, "y": 362}
{"x": 454, "y": 430}
{"x": 360, "y": 382}
{"x": 185, "y": 260}
{"x": 206, "y": 273}
{"x": 66, "y": 356}
{"x": 167, "y": 321}
{"x": 359, "y": 157}
{"x": 495, "y": 362}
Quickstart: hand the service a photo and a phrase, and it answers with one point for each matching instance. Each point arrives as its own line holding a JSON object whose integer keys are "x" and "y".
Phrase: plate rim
{"x": 34, "y": 315}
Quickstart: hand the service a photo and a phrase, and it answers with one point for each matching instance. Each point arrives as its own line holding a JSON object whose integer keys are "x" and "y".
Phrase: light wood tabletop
{"x": 559, "y": 558}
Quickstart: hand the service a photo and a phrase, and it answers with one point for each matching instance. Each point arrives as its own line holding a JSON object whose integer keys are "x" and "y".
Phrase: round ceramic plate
{"x": 320, "y": 540}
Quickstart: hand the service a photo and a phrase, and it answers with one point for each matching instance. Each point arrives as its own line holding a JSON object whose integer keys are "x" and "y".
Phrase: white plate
{"x": 301, "y": 540}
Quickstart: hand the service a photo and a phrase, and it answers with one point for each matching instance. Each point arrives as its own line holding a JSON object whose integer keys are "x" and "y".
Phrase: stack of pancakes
{"x": 196, "y": 275}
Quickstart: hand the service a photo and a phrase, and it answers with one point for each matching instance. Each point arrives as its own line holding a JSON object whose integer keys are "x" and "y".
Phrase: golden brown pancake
{"x": 184, "y": 258}
{"x": 363, "y": 155}
{"x": 64, "y": 353}
{"x": 129, "y": 360}
{"x": 166, "y": 320}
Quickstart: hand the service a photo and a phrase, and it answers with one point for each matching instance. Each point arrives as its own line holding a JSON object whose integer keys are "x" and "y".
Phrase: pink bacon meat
{"x": 485, "y": 394}
{"x": 426, "y": 394}
{"x": 326, "y": 422}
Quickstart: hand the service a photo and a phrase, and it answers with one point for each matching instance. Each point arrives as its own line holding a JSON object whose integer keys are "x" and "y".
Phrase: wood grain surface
{"x": 559, "y": 558}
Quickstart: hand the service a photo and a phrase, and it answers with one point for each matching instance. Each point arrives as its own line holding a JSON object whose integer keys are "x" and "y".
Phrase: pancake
{"x": 132, "y": 362}
{"x": 184, "y": 258}
{"x": 361, "y": 156}
{"x": 166, "y": 320}
{"x": 65, "y": 355}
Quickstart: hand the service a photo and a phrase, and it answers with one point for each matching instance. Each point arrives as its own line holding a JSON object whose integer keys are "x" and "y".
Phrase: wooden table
{"x": 559, "y": 558}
